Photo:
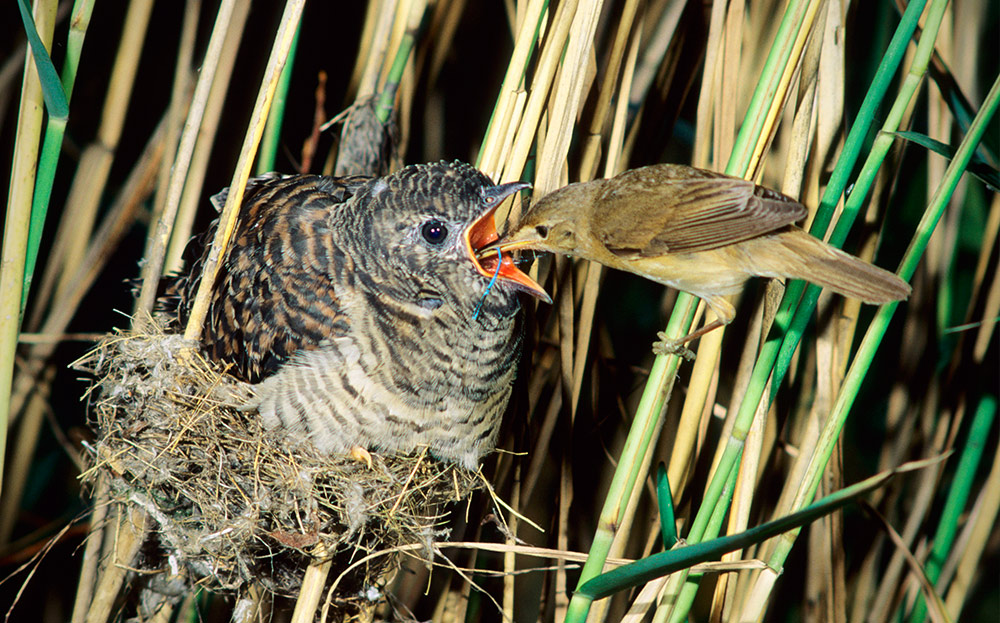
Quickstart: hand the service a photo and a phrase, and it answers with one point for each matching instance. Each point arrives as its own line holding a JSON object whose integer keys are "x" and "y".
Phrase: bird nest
{"x": 233, "y": 504}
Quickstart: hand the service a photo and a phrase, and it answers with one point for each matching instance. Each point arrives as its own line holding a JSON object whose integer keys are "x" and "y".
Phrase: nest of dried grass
{"x": 232, "y": 503}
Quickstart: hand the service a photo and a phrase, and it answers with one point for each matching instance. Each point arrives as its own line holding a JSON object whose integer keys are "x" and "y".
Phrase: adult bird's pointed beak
{"x": 483, "y": 232}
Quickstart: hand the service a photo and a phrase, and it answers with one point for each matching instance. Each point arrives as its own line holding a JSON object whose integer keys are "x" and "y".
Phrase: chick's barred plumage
{"x": 348, "y": 304}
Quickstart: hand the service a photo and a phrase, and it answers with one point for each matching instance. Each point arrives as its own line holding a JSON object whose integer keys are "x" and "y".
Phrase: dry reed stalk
{"x": 18, "y": 468}
{"x": 180, "y": 98}
{"x": 614, "y": 164}
{"x": 116, "y": 222}
{"x": 16, "y": 224}
{"x": 191, "y": 195}
{"x": 566, "y": 363}
{"x": 9, "y": 72}
{"x": 797, "y": 143}
{"x": 512, "y": 84}
{"x": 90, "y": 181}
{"x": 160, "y": 236}
{"x": 444, "y": 24}
{"x": 980, "y": 528}
{"x": 128, "y": 539}
{"x": 313, "y": 582}
{"x": 92, "y": 552}
{"x": 227, "y": 219}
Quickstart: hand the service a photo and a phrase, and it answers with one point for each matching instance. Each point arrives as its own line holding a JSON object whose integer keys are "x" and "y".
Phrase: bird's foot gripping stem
{"x": 672, "y": 346}
{"x": 667, "y": 345}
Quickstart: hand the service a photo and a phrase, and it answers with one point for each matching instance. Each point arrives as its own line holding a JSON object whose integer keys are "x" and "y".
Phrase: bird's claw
{"x": 669, "y": 346}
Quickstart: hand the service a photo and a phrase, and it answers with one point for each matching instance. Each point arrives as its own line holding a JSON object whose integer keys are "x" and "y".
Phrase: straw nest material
{"x": 231, "y": 503}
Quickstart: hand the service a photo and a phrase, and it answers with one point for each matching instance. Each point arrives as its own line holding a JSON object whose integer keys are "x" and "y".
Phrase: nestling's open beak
{"x": 483, "y": 232}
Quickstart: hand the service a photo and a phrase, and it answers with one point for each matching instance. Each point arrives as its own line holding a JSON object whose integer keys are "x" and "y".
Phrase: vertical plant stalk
{"x": 313, "y": 582}
{"x": 762, "y": 370}
{"x": 92, "y": 551}
{"x": 116, "y": 223}
{"x": 791, "y": 30}
{"x": 644, "y": 426}
{"x": 90, "y": 178}
{"x": 977, "y": 532}
{"x": 23, "y": 451}
{"x": 387, "y": 98}
{"x": 191, "y": 198}
{"x": 58, "y": 114}
{"x": 180, "y": 99}
{"x": 272, "y": 133}
{"x": 793, "y": 315}
{"x": 872, "y": 339}
{"x": 853, "y": 205}
{"x": 160, "y": 235}
{"x": 132, "y": 526}
{"x": 227, "y": 220}
{"x": 754, "y": 136}
{"x": 613, "y": 83}
{"x": 524, "y": 45}
{"x": 958, "y": 496}
{"x": 527, "y": 133}
{"x": 552, "y": 153}
{"x": 16, "y": 225}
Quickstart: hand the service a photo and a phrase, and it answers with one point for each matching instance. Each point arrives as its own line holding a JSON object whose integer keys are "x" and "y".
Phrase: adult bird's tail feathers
{"x": 841, "y": 272}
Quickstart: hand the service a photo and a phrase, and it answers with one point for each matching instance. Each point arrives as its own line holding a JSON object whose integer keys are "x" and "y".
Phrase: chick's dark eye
{"x": 434, "y": 232}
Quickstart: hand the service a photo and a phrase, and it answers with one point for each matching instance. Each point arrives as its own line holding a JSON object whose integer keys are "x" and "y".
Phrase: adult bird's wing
{"x": 275, "y": 293}
{"x": 669, "y": 208}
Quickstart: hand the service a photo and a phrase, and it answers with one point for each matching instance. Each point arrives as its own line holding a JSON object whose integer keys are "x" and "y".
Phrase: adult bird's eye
{"x": 542, "y": 231}
{"x": 434, "y": 232}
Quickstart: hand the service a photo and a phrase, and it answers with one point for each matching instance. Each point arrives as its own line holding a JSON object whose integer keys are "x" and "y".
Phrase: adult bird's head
{"x": 552, "y": 223}
{"x": 430, "y": 220}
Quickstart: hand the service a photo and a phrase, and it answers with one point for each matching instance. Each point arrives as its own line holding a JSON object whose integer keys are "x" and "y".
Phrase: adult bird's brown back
{"x": 701, "y": 232}
{"x": 350, "y": 305}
